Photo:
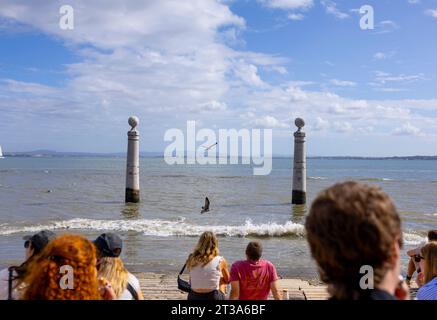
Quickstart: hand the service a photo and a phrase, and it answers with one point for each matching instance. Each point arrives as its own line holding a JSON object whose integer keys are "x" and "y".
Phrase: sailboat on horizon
{"x": 1, "y": 153}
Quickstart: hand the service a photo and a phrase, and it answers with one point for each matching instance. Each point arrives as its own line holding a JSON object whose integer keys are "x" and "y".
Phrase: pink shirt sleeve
{"x": 234, "y": 274}
{"x": 273, "y": 273}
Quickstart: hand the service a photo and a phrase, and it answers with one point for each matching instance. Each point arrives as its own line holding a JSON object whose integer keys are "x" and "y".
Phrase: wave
{"x": 431, "y": 214}
{"x": 165, "y": 228}
{"x": 376, "y": 179}
{"x": 317, "y": 178}
{"x": 179, "y": 227}
{"x": 413, "y": 238}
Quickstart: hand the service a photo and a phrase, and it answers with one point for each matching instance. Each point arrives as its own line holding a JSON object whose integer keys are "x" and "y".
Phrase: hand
{"x": 106, "y": 289}
{"x": 420, "y": 279}
{"x": 402, "y": 292}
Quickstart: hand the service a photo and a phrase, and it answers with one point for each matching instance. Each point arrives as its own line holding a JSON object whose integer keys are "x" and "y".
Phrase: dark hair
{"x": 22, "y": 270}
{"x": 254, "y": 250}
{"x": 432, "y": 235}
{"x": 351, "y": 225}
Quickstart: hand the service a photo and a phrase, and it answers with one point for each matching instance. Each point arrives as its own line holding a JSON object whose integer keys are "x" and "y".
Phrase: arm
{"x": 235, "y": 290}
{"x": 411, "y": 252}
{"x": 275, "y": 290}
{"x": 224, "y": 280}
{"x": 225, "y": 272}
{"x": 140, "y": 294}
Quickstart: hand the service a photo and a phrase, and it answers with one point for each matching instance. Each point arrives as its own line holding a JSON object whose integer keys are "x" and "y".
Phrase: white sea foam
{"x": 413, "y": 238}
{"x": 431, "y": 214}
{"x": 317, "y": 178}
{"x": 165, "y": 228}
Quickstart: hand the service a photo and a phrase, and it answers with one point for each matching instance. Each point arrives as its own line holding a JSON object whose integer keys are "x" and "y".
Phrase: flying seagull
{"x": 205, "y": 208}
{"x": 207, "y": 148}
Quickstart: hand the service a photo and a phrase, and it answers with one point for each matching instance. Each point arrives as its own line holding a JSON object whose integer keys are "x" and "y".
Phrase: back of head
{"x": 40, "y": 240}
{"x": 108, "y": 245}
{"x": 37, "y": 243}
{"x": 351, "y": 225}
{"x": 254, "y": 250}
{"x": 113, "y": 270}
{"x": 432, "y": 235}
{"x": 205, "y": 250}
{"x": 429, "y": 253}
{"x": 46, "y": 279}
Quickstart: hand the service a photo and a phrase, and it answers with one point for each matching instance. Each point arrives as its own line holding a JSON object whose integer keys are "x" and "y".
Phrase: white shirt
{"x": 126, "y": 295}
{"x": 208, "y": 276}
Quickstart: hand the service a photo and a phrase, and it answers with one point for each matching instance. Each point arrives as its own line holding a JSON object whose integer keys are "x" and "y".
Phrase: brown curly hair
{"x": 44, "y": 279}
{"x": 351, "y": 225}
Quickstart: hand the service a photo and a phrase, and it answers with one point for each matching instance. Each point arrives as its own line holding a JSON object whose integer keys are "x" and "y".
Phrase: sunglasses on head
{"x": 418, "y": 258}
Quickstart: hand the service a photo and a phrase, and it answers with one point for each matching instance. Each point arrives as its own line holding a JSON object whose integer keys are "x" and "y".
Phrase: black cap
{"x": 109, "y": 245}
{"x": 40, "y": 240}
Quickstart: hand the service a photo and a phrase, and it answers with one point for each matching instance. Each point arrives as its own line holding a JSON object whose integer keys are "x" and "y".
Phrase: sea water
{"x": 86, "y": 195}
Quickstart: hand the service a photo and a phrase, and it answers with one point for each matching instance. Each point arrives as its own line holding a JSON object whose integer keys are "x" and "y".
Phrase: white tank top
{"x": 207, "y": 277}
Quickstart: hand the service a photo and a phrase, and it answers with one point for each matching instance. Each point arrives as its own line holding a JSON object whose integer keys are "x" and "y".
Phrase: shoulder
{"x": 238, "y": 264}
{"x": 4, "y": 274}
{"x": 427, "y": 290}
{"x": 268, "y": 264}
{"x": 133, "y": 281}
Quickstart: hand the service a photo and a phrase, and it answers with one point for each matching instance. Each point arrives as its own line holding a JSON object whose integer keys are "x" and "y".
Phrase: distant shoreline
{"x": 54, "y": 154}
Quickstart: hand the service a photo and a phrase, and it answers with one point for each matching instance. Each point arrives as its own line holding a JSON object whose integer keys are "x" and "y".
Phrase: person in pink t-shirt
{"x": 252, "y": 279}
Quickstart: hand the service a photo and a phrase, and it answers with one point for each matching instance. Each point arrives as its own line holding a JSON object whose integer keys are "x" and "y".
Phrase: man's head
{"x": 108, "y": 245}
{"x": 34, "y": 244}
{"x": 432, "y": 235}
{"x": 351, "y": 225}
{"x": 254, "y": 251}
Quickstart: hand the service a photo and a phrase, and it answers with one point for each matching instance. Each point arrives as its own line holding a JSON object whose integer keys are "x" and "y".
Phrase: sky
{"x": 225, "y": 64}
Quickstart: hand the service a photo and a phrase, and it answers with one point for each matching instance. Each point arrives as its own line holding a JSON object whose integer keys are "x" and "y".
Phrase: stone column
{"x": 299, "y": 165}
{"x": 133, "y": 163}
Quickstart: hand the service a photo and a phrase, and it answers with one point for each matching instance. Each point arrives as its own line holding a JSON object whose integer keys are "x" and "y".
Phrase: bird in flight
{"x": 205, "y": 208}
{"x": 207, "y": 148}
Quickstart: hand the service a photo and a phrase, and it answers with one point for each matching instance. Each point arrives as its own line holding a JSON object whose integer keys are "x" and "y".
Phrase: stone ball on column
{"x": 133, "y": 121}
{"x": 299, "y": 122}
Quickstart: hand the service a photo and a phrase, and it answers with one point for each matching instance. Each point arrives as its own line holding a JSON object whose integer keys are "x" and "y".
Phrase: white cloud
{"x": 331, "y": 8}
{"x": 169, "y": 63}
{"x": 288, "y": 4}
{"x": 382, "y": 78}
{"x": 386, "y": 26}
{"x": 379, "y": 56}
{"x": 269, "y": 122}
{"x": 383, "y": 55}
{"x": 343, "y": 127}
{"x": 342, "y": 83}
{"x": 210, "y": 106}
{"x": 407, "y": 130}
{"x": 248, "y": 73}
{"x": 320, "y": 124}
{"x": 431, "y": 13}
{"x": 296, "y": 16}
{"x": 390, "y": 89}
{"x": 413, "y": 1}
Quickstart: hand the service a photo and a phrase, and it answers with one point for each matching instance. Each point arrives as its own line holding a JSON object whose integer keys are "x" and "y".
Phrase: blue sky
{"x": 225, "y": 64}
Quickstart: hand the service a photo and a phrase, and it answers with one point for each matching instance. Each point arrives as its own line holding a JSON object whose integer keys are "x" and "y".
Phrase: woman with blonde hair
{"x": 66, "y": 270}
{"x": 428, "y": 265}
{"x": 208, "y": 270}
{"x": 125, "y": 285}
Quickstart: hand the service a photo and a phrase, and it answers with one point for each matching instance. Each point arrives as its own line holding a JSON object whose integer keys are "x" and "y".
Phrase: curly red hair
{"x": 44, "y": 279}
